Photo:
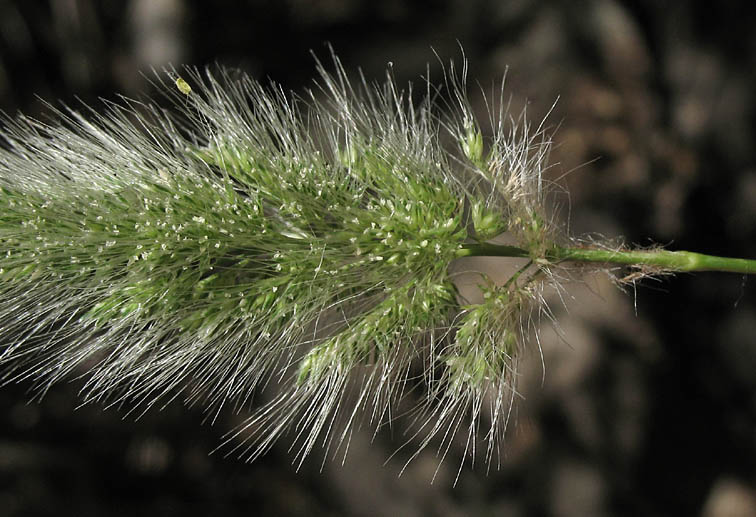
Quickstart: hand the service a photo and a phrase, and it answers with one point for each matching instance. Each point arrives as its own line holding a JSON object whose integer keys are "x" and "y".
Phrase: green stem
{"x": 668, "y": 260}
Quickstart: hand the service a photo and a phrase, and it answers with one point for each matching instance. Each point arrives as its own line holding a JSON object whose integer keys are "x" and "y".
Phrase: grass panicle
{"x": 246, "y": 239}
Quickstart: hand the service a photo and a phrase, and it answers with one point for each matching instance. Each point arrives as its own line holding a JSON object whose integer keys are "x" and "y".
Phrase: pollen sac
{"x": 183, "y": 86}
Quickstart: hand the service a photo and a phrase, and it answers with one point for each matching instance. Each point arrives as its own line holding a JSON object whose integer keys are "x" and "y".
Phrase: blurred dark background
{"x": 647, "y": 407}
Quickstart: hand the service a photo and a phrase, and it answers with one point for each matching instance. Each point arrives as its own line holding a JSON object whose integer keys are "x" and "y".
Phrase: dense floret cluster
{"x": 249, "y": 239}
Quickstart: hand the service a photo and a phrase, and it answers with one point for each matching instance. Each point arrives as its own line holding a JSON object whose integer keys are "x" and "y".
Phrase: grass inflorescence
{"x": 248, "y": 239}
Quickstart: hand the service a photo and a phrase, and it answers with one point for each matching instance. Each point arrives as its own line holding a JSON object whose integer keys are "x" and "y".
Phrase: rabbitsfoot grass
{"x": 248, "y": 240}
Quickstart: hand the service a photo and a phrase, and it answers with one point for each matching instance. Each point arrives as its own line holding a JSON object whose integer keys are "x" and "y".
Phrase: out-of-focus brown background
{"x": 648, "y": 404}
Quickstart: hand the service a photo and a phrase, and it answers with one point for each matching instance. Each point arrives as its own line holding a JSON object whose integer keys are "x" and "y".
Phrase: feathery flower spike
{"x": 252, "y": 239}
